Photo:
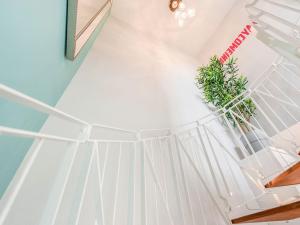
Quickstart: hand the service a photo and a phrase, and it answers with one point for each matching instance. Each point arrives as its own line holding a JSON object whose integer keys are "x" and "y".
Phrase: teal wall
{"x": 32, "y": 47}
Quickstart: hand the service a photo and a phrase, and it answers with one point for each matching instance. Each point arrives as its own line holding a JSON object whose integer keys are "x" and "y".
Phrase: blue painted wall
{"x": 32, "y": 60}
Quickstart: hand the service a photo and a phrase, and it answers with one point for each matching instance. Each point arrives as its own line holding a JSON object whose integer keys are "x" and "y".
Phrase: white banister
{"x": 34, "y": 135}
{"x": 85, "y": 186}
{"x": 17, "y": 187}
{"x": 116, "y": 194}
{"x": 207, "y": 189}
{"x": 183, "y": 177}
{"x": 114, "y": 128}
{"x": 152, "y": 170}
{"x": 60, "y": 185}
{"x": 100, "y": 186}
{"x": 176, "y": 183}
{"x": 171, "y": 154}
{"x": 33, "y": 103}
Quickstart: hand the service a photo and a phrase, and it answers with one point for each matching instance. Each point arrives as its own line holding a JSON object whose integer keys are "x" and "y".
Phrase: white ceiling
{"x": 153, "y": 18}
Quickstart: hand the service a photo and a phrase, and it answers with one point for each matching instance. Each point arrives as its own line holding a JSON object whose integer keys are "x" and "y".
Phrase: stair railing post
{"x": 222, "y": 213}
{"x": 100, "y": 187}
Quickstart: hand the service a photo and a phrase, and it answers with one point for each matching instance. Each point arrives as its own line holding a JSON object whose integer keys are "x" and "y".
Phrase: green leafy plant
{"x": 221, "y": 84}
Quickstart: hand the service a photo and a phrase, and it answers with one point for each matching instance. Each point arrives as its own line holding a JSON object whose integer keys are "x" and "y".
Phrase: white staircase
{"x": 204, "y": 172}
{"x": 208, "y": 172}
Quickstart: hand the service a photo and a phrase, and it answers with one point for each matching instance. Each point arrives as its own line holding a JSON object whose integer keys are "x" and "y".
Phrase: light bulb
{"x": 174, "y": 4}
{"x": 181, "y": 6}
{"x": 191, "y": 12}
{"x": 184, "y": 13}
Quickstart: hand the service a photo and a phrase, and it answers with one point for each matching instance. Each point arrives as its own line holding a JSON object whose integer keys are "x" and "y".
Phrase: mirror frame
{"x": 75, "y": 42}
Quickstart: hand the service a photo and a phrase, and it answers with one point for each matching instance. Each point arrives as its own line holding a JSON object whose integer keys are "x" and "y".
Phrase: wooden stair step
{"x": 282, "y": 213}
{"x": 289, "y": 177}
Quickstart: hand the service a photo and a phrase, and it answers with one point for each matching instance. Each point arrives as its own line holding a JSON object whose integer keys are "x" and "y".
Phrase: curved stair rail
{"x": 13, "y": 95}
{"x": 212, "y": 160}
{"x": 150, "y": 186}
{"x": 266, "y": 152}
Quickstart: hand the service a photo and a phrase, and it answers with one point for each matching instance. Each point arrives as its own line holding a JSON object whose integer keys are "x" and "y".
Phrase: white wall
{"x": 253, "y": 56}
{"x": 133, "y": 82}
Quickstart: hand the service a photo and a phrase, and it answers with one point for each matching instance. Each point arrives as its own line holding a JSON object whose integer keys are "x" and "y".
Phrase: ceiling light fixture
{"x": 181, "y": 12}
{"x": 174, "y": 4}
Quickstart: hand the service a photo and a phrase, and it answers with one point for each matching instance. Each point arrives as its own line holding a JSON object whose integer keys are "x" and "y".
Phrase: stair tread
{"x": 282, "y": 213}
{"x": 289, "y": 177}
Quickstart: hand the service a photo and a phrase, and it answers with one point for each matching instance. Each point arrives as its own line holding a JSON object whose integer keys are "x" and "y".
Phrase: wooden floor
{"x": 288, "y": 177}
{"x": 282, "y": 213}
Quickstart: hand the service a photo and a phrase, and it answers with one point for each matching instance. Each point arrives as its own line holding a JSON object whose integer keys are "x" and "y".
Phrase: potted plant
{"x": 221, "y": 84}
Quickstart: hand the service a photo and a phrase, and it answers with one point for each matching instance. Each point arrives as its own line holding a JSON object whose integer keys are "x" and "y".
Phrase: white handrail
{"x": 136, "y": 137}
{"x": 28, "y": 134}
{"x": 154, "y": 175}
{"x": 114, "y": 128}
{"x": 17, "y": 187}
{"x": 59, "y": 190}
{"x": 210, "y": 194}
{"x": 16, "y": 96}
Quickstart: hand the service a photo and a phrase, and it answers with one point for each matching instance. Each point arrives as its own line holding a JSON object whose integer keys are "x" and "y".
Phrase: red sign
{"x": 236, "y": 43}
